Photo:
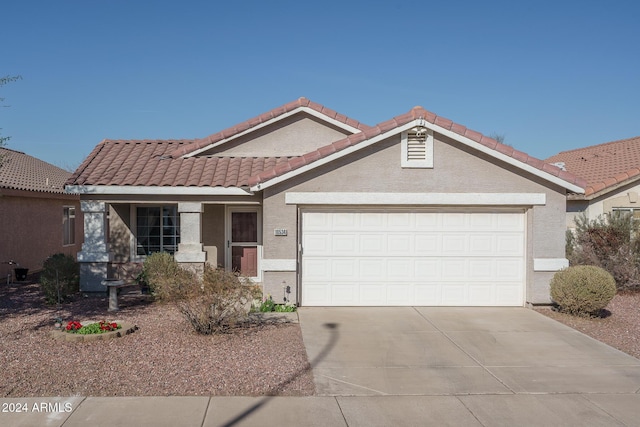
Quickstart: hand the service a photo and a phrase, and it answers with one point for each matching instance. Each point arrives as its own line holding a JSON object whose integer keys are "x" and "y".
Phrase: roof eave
{"x": 126, "y": 190}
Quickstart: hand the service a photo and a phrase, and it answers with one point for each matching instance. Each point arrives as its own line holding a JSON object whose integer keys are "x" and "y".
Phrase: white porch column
{"x": 190, "y": 249}
{"x": 95, "y": 255}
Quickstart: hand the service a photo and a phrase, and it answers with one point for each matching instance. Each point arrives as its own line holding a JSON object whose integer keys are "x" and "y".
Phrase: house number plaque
{"x": 280, "y": 232}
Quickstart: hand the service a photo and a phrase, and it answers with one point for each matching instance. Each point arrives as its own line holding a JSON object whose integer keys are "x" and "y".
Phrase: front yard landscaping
{"x": 164, "y": 357}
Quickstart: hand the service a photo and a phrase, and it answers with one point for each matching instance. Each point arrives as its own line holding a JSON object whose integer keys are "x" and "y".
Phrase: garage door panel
{"x": 345, "y": 293}
{"x": 399, "y": 268}
{"x": 373, "y": 294}
{"x": 510, "y": 244}
{"x": 373, "y": 244}
{"x": 427, "y": 269}
{"x": 344, "y": 269}
{"x": 346, "y": 244}
{"x": 373, "y": 268}
{"x": 427, "y": 294}
{"x": 399, "y": 292}
{"x": 509, "y": 270}
{"x": 412, "y": 258}
{"x": 427, "y": 244}
{"x": 481, "y": 244}
{"x": 399, "y": 244}
{"x": 316, "y": 243}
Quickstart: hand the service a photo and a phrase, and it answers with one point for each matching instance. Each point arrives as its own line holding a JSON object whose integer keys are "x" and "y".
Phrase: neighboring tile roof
{"x": 414, "y": 114}
{"x": 19, "y": 171}
{"x": 604, "y": 165}
{"x": 148, "y": 163}
{"x": 262, "y": 118}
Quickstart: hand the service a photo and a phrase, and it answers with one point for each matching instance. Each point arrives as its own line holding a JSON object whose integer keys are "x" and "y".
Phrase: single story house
{"x": 612, "y": 173}
{"x": 323, "y": 210}
{"x": 37, "y": 218}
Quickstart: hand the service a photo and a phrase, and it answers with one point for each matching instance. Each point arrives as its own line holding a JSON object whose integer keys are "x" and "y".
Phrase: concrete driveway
{"x": 435, "y": 351}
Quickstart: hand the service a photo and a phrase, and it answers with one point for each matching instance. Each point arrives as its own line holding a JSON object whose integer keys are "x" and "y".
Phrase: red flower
{"x": 73, "y": 325}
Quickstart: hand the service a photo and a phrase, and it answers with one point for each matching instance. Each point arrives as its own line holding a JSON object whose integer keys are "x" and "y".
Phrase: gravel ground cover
{"x": 164, "y": 357}
{"x": 619, "y": 326}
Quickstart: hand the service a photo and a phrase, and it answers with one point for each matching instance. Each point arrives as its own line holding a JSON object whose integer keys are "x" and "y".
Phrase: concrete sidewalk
{"x": 470, "y": 410}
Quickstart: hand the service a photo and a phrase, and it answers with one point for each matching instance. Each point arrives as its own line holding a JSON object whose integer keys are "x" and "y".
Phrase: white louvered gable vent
{"x": 417, "y": 148}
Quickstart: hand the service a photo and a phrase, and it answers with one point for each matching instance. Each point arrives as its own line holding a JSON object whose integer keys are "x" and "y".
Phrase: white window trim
{"x": 427, "y": 162}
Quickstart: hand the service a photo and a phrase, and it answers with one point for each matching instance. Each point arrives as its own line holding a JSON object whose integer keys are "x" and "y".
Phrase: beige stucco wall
{"x": 31, "y": 228}
{"x": 627, "y": 196}
{"x": 292, "y": 136}
{"x": 457, "y": 169}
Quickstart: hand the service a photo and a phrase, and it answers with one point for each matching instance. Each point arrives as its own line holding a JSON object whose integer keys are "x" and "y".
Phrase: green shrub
{"x": 60, "y": 273}
{"x": 221, "y": 301}
{"x": 582, "y": 290}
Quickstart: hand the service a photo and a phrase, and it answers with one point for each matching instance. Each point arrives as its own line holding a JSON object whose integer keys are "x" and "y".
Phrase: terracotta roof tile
{"x": 158, "y": 163}
{"x": 19, "y": 171}
{"x": 153, "y": 167}
{"x": 604, "y": 165}
{"x": 199, "y": 144}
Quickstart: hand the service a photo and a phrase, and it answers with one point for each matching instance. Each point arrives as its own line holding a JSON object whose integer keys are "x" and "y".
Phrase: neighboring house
{"x": 37, "y": 218}
{"x": 326, "y": 211}
{"x": 612, "y": 173}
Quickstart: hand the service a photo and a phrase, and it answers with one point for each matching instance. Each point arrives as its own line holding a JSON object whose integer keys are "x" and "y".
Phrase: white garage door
{"x": 379, "y": 258}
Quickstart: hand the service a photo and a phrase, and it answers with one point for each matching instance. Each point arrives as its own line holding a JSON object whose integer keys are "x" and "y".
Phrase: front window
{"x": 69, "y": 225}
{"x": 158, "y": 229}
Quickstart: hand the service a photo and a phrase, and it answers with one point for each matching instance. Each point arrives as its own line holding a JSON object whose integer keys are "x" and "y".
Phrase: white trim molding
{"x": 430, "y": 199}
{"x": 161, "y": 191}
{"x": 279, "y": 265}
{"x": 550, "y": 264}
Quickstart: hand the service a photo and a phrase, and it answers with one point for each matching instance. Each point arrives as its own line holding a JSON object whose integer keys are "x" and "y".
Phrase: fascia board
{"x": 158, "y": 191}
{"x": 307, "y": 110}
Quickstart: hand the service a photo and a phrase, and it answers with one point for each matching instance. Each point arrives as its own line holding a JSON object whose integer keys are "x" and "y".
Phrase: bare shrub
{"x": 165, "y": 278}
{"x": 610, "y": 242}
{"x": 583, "y": 290}
{"x": 220, "y": 302}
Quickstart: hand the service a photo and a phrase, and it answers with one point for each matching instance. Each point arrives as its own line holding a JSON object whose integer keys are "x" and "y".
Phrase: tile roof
{"x": 149, "y": 163}
{"x": 603, "y": 166}
{"x": 263, "y": 118}
{"x": 19, "y": 171}
{"x": 414, "y": 114}
{"x": 160, "y": 162}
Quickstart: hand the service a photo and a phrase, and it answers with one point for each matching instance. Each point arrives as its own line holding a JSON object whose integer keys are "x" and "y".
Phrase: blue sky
{"x": 548, "y": 75}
